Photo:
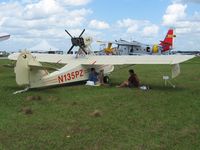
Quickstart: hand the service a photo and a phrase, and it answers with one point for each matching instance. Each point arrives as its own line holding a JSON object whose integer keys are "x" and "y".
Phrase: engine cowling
{"x": 155, "y": 48}
{"x": 88, "y": 40}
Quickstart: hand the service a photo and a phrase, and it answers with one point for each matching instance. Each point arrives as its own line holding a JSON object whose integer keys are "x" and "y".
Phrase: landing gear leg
{"x": 106, "y": 79}
{"x": 21, "y": 91}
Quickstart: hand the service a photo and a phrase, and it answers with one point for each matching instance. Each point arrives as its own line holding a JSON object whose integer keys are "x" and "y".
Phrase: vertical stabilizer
{"x": 28, "y": 69}
{"x": 167, "y": 43}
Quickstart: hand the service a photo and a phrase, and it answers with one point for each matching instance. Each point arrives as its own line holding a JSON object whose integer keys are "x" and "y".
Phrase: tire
{"x": 106, "y": 79}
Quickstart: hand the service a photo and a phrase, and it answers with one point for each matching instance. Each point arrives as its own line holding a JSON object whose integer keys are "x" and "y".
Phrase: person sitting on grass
{"x": 132, "y": 81}
{"x": 101, "y": 77}
{"x": 93, "y": 76}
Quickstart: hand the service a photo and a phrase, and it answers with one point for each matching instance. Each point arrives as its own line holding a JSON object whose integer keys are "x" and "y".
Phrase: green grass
{"x": 161, "y": 118}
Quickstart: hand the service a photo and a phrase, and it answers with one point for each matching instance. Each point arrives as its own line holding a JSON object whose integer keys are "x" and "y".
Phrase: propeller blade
{"x": 68, "y": 33}
{"x": 82, "y": 33}
{"x": 83, "y": 50}
{"x": 70, "y": 49}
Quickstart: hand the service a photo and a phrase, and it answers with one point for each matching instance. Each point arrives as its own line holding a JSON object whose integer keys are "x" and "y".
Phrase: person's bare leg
{"x": 124, "y": 84}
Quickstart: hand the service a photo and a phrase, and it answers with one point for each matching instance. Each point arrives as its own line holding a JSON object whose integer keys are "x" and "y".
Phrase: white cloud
{"x": 140, "y": 27}
{"x": 174, "y": 13}
{"x": 36, "y": 16}
{"x": 175, "y": 16}
{"x": 127, "y": 23}
{"x": 196, "y": 16}
{"x": 186, "y": 1}
{"x": 131, "y": 25}
{"x": 183, "y": 30}
{"x": 187, "y": 25}
{"x": 42, "y": 19}
{"x": 33, "y": 20}
{"x": 42, "y": 9}
{"x": 11, "y": 9}
{"x": 148, "y": 31}
{"x": 96, "y": 24}
{"x": 75, "y": 2}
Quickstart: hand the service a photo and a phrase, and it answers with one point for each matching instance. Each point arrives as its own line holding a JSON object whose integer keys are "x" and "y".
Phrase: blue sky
{"x": 32, "y": 21}
{"x": 112, "y": 10}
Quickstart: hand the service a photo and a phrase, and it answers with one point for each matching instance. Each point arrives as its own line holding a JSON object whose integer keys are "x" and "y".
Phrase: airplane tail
{"x": 28, "y": 70}
{"x": 167, "y": 44}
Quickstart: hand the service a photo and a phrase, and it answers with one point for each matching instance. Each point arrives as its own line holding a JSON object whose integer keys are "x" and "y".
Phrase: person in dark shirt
{"x": 132, "y": 81}
{"x": 93, "y": 75}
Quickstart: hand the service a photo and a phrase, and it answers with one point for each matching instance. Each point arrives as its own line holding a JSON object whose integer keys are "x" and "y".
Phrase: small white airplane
{"x": 32, "y": 74}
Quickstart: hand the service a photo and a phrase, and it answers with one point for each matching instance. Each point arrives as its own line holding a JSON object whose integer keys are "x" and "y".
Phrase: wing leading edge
{"x": 110, "y": 59}
{"x": 143, "y": 59}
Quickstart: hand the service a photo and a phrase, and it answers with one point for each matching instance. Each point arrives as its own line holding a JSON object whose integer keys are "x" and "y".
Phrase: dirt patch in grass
{"x": 74, "y": 103}
{"x": 188, "y": 131}
{"x": 52, "y": 98}
{"x": 96, "y": 113}
{"x": 27, "y": 110}
{"x": 75, "y": 129}
{"x": 34, "y": 98}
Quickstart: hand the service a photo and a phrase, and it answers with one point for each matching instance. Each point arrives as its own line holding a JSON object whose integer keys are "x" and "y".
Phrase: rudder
{"x": 167, "y": 44}
{"x": 25, "y": 69}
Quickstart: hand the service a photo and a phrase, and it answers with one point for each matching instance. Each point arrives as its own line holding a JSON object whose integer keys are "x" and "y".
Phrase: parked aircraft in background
{"x": 4, "y": 37}
{"x": 137, "y": 48}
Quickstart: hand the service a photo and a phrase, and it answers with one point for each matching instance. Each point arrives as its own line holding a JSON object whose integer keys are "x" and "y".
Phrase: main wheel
{"x": 106, "y": 79}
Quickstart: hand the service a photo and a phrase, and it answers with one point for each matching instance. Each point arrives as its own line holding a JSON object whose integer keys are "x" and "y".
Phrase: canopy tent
{"x": 45, "y": 47}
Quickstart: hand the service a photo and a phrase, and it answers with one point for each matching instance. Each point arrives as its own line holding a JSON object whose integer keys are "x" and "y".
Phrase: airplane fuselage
{"x": 139, "y": 50}
{"x": 68, "y": 74}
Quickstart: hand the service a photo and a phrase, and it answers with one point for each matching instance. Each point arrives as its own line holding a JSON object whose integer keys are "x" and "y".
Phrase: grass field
{"x": 63, "y": 118}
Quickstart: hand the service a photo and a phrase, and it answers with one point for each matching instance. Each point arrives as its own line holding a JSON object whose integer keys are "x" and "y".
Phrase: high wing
{"x": 126, "y": 43}
{"x": 141, "y": 59}
{"x": 123, "y": 42}
{"x": 5, "y": 37}
{"x": 109, "y": 59}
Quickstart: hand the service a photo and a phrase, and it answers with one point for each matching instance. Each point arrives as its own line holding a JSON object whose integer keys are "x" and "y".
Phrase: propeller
{"x": 77, "y": 41}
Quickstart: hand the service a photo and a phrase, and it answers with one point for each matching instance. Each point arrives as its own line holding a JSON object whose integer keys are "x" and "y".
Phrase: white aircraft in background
{"x": 138, "y": 48}
{"x": 4, "y": 37}
{"x": 32, "y": 74}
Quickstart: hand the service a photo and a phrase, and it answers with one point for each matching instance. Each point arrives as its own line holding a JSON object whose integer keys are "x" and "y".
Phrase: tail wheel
{"x": 106, "y": 79}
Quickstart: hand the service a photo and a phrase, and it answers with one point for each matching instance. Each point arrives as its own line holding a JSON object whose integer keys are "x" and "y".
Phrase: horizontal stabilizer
{"x": 47, "y": 58}
{"x": 165, "y": 43}
{"x": 42, "y": 68}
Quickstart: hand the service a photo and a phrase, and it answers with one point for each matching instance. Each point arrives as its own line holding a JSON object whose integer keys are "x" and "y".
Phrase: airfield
{"x": 105, "y": 117}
